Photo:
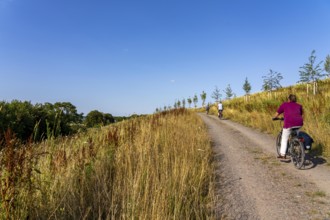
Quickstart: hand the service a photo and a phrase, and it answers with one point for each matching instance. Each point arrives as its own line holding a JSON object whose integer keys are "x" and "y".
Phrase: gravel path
{"x": 254, "y": 184}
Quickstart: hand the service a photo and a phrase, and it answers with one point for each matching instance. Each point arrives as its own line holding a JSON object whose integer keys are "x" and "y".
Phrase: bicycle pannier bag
{"x": 308, "y": 140}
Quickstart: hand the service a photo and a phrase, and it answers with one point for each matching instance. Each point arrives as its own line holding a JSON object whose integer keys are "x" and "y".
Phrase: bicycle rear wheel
{"x": 278, "y": 143}
{"x": 297, "y": 153}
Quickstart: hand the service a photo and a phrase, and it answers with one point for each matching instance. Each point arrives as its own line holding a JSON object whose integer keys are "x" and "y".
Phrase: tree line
{"x": 310, "y": 73}
{"x": 35, "y": 122}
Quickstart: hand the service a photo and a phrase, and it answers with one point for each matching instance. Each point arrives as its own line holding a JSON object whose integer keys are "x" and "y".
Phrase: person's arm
{"x": 279, "y": 111}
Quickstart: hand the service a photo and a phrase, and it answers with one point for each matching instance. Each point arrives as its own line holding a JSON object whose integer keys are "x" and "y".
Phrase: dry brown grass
{"x": 155, "y": 167}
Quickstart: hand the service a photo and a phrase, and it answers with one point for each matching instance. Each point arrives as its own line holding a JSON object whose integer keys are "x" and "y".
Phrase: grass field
{"x": 153, "y": 167}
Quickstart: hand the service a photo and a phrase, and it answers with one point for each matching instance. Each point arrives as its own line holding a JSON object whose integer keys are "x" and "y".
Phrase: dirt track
{"x": 254, "y": 184}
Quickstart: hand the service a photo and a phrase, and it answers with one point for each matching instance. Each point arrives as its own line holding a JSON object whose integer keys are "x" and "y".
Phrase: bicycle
{"x": 220, "y": 114}
{"x": 207, "y": 109}
{"x": 295, "y": 149}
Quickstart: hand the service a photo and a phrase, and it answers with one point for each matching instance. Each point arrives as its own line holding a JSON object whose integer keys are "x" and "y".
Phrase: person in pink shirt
{"x": 292, "y": 112}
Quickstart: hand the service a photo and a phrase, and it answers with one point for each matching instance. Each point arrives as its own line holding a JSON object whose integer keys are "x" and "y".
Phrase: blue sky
{"x": 133, "y": 56}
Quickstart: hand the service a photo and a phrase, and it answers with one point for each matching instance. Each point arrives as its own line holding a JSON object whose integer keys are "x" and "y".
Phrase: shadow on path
{"x": 312, "y": 161}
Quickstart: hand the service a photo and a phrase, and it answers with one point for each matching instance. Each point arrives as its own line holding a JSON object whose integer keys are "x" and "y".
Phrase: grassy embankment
{"x": 257, "y": 110}
{"x": 154, "y": 167}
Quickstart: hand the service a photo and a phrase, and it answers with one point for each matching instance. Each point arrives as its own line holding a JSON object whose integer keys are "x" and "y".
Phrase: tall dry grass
{"x": 155, "y": 167}
{"x": 258, "y": 109}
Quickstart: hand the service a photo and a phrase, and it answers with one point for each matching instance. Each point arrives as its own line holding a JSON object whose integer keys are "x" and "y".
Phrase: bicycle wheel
{"x": 278, "y": 143}
{"x": 297, "y": 153}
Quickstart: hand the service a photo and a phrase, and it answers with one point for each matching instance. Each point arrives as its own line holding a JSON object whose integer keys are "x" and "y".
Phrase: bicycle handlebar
{"x": 276, "y": 119}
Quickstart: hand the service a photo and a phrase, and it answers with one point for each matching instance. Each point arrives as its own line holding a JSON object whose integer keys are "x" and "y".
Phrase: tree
{"x": 108, "y": 119}
{"x": 246, "y": 88}
{"x": 229, "y": 92}
{"x": 203, "y": 97}
{"x": 96, "y": 118}
{"x": 195, "y": 100}
{"x": 216, "y": 95}
{"x": 272, "y": 81}
{"x": 310, "y": 72}
{"x": 178, "y": 103}
{"x": 189, "y": 100}
{"x": 327, "y": 65}
{"x": 183, "y": 103}
{"x": 68, "y": 116}
{"x": 18, "y": 117}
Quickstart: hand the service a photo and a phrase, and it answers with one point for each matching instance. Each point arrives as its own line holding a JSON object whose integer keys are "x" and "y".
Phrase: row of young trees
{"x": 216, "y": 96}
{"x": 309, "y": 73}
{"x": 41, "y": 121}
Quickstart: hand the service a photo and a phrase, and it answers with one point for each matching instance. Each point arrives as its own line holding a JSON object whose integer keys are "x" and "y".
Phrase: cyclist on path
{"x": 220, "y": 109}
{"x": 292, "y": 112}
{"x": 207, "y": 108}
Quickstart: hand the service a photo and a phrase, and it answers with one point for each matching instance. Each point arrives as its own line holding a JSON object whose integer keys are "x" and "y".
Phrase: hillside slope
{"x": 256, "y": 111}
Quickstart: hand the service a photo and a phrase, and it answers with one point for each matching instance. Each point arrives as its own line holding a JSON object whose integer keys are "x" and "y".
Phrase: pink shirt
{"x": 292, "y": 112}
